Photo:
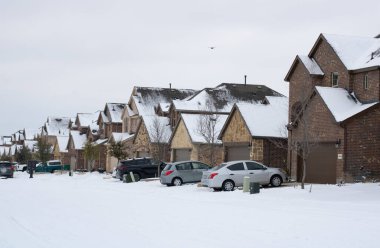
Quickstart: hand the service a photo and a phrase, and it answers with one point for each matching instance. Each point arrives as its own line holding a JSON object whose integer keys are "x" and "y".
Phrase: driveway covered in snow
{"x": 89, "y": 210}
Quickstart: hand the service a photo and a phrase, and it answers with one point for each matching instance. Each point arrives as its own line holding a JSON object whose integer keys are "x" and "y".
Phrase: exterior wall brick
{"x": 181, "y": 138}
{"x": 236, "y": 131}
{"x": 363, "y": 145}
{"x": 329, "y": 62}
{"x": 275, "y": 156}
{"x": 370, "y": 94}
{"x": 257, "y": 151}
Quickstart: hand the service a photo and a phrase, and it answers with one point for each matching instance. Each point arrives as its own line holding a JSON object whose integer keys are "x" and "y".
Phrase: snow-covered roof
{"x": 341, "y": 104}
{"x": 104, "y": 117}
{"x": 223, "y": 97}
{"x": 63, "y": 143}
{"x": 13, "y": 149}
{"x": 266, "y": 120}
{"x": 164, "y": 106}
{"x": 31, "y": 134}
{"x": 57, "y": 126}
{"x": 146, "y": 98}
{"x": 311, "y": 65}
{"x": 30, "y": 144}
{"x": 117, "y": 137}
{"x": 6, "y": 140}
{"x": 4, "y": 150}
{"x": 115, "y": 111}
{"x": 355, "y": 52}
{"x": 192, "y": 122}
{"x": 79, "y": 140}
{"x": 88, "y": 119}
{"x": 158, "y": 128}
{"x": 100, "y": 141}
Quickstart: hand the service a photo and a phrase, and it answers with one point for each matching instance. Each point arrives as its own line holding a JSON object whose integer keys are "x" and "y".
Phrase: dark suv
{"x": 140, "y": 167}
{"x": 6, "y": 169}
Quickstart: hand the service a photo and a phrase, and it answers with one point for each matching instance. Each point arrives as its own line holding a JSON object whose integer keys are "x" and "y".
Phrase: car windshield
{"x": 55, "y": 163}
{"x": 167, "y": 167}
{"x": 218, "y": 167}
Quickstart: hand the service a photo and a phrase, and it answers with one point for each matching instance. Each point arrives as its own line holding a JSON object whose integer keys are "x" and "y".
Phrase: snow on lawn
{"x": 87, "y": 210}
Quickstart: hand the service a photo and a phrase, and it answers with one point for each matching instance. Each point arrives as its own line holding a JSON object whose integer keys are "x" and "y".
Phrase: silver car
{"x": 183, "y": 172}
{"x": 229, "y": 175}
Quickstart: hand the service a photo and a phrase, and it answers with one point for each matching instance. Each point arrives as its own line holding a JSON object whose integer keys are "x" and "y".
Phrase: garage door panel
{"x": 182, "y": 154}
{"x": 321, "y": 164}
{"x": 237, "y": 153}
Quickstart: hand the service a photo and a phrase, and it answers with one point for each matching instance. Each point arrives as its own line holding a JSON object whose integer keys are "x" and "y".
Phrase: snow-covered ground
{"x": 89, "y": 210}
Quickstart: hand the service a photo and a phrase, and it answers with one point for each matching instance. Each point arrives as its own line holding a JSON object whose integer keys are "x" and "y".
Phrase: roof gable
{"x": 341, "y": 103}
{"x": 354, "y": 52}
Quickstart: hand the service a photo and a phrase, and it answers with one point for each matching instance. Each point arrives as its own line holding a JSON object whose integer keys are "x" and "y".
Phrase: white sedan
{"x": 229, "y": 175}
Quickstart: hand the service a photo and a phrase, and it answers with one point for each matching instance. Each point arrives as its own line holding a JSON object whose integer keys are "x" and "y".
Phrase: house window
{"x": 365, "y": 82}
{"x": 334, "y": 79}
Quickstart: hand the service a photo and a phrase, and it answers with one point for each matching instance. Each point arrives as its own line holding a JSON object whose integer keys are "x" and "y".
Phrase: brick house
{"x": 188, "y": 143}
{"x": 60, "y": 149}
{"x": 76, "y": 143}
{"x": 256, "y": 131}
{"x": 333, "y": 100}
{"x": 144, "y": 101}
{"x": 152, "y": 138}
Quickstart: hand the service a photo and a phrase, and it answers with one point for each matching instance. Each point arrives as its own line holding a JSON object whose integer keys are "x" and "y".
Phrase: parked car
{"x": 6, "y": 169}
{"x": 229, "y": 175}
{"x": 183, "y": 172}
{"x": 21, "y": 167}
{"x": 50, "y": 166}
{"x": 140, "y": 167}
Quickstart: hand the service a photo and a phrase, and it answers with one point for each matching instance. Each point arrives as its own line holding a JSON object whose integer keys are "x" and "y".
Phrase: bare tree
{"x": 207, "y": 128}
{"x": 90, "y": 153}
{"x": 159, "y": 132}
{"x": 303, "y": 140}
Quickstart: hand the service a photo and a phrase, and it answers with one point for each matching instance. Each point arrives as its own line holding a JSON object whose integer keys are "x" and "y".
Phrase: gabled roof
{"x": 222, "y": 98}
{"x": 263, "y": 120}
{"x": 192, "y": 122}
{"x": 31, "y": 134}
{"x": 57, "y": 126}
{"x": 6, "y": 140}
{"x": 62, "y": 142}
{"x": 158, "y": 128}
{"x": 115, "y": 111}
{"x": 79, "y": 140}
{"x": 30, "y": 144}
{"x": 341, "y": 103}
{"x": 87, "y": 119}
{"x": 310, "y": 64}
{"x": 146, "y": 98}
{"x": 355, "y": 52}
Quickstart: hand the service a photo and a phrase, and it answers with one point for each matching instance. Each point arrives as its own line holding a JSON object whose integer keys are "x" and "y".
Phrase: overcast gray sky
{"x": 64, "y": 57}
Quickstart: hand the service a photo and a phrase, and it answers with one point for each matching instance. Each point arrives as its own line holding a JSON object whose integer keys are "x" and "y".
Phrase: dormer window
{"x": 334, "y": 79}
{"x": 365, "y": 82}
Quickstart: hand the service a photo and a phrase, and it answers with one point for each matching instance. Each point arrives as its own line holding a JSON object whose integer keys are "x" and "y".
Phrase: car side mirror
{"x": 265, "y": 168}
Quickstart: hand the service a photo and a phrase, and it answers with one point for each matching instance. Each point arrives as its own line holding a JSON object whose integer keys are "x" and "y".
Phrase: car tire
{"x": 23, "y": 169}
{"x": 276, "y": 181}
{"x": 228, "y": 185}
{"x": 52, "y": 172}
{"x": 177, "y": 181}
{"x": 137, "y": 177}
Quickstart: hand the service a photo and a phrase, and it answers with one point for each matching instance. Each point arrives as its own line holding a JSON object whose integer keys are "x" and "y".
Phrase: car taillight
{"x": 12, "y": 168}
{"x": 212, "y": 175}
{"x": 168, "y": 172}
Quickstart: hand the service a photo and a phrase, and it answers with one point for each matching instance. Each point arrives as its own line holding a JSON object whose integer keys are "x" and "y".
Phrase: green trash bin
{"x": 254, "y": 188}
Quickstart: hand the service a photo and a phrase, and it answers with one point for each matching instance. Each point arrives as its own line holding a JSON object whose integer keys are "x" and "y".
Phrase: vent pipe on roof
{"x": 170, "y": 86}
{"x": 377, "y": 36}
{"x": 245, "y": 79}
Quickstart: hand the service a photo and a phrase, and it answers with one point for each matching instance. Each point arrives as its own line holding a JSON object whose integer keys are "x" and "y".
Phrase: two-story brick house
{"x": 333, "y": 101}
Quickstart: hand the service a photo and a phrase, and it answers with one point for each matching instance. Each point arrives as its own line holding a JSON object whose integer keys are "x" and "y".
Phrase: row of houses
{"x": 330, "y": 122}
